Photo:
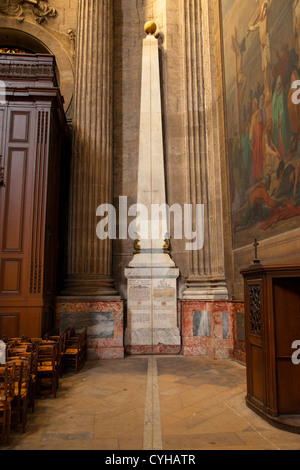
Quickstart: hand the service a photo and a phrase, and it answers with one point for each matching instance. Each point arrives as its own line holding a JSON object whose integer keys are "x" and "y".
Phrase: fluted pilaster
{"x": 90, "y": 259}
{"x": 207, "y": 274}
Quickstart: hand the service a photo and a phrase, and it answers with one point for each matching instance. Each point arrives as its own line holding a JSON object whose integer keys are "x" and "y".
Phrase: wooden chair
{"x": 18, "y": 352}
{"x": 75, "y": 354}
{"x": 15, "y": 340}
{"x": 57, "y": 340}
{"x": 33, "y": 380}
{"x": 36, "y": 341}
{"x": 47, "y": 369}
{"x": 31, "y": 358}
{"x": 84, "y": 344}
{"x": 7, "y": 378}
{"x": 61, "y": 341}
{"x": 70, "y": 333}
{"x": 21, "y": 390}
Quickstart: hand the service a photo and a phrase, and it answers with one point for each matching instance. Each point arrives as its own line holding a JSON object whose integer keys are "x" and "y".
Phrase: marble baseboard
{"x": 156, "y": 337}
{"x": 98, "y": 352}
{"x": 104, "y": 321}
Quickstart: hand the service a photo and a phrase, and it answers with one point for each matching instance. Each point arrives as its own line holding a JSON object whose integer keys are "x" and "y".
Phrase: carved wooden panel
{"x": 11, "y": 276}
{"x": 13, "y": 222}
{"x": 9, "y": 324}
{"x": 255, "y": 309}
{"x": 39, "y": 215}
{"x": 19, "y": 126}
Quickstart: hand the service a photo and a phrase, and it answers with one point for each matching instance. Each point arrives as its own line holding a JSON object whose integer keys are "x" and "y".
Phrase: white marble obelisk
{"x": 152, "y": 325}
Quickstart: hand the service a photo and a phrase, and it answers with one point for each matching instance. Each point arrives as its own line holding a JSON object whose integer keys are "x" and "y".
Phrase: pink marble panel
{"x": 216, "y": 346}
{"x": 98, "y": 348}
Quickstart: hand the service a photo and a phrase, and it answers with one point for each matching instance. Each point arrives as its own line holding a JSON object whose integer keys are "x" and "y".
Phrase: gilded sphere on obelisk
{"x": 150, "y": 27}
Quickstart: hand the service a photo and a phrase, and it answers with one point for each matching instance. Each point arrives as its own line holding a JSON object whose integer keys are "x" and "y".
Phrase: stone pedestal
{"x": 152, "y": 311}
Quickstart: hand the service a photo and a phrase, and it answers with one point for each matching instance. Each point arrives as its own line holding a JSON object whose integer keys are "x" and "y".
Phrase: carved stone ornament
{"x": 71, "y": 35}
{"x": 137, "y": 246}
{"x": 15, "y": 8}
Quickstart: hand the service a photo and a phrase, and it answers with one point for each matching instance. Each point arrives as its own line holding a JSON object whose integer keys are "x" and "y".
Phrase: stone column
{"x": 206, "y": 267}
{"x": 90, "y": 259}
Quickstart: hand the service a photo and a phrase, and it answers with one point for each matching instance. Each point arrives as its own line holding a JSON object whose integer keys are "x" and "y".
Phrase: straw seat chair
{"x": 61, "y": 345}
{"x": 7, "y": 377}
{"x": 76, "y": 350}
{"x": 21, "y": 390}
{"x": 47, "y": 368}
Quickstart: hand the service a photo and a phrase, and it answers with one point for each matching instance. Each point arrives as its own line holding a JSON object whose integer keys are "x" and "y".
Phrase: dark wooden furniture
{"x": 33, "y": 137}
{"x": 272, "y": 314}
{"x": 7, "y": 386}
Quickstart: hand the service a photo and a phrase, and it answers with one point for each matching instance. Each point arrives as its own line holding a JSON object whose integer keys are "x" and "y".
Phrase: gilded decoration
{"x": 12, "y": 50}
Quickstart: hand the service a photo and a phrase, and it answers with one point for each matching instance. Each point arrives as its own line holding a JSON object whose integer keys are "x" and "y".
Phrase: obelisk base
{"x": 158, "y": 350}
{"x": 152, "y": 326}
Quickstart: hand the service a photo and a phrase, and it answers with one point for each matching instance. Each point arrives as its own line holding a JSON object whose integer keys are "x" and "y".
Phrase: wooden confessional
{"x": 33, "y": 136}
{"x": 272, "y": 315}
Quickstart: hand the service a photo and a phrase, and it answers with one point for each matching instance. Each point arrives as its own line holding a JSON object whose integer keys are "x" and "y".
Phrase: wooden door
{"x": 254, "y": 305}
{"x": 286, "y": 307}
{"x": 17, "y": 143}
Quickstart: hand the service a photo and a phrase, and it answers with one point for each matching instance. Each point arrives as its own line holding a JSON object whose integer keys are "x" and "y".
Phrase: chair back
{"x": 7, "y": 380}
{"x": 47, "y": 355}
{"x": 22, "y": 374}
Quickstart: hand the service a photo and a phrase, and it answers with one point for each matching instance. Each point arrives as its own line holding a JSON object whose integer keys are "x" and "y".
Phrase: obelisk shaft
{"x": 151, "y": 187}
{"x": 152, "y": 275}
{"x": 154, "y": 227}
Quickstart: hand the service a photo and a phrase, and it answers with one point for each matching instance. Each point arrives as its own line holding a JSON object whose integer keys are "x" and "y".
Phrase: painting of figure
{"x": 262, "y": 39}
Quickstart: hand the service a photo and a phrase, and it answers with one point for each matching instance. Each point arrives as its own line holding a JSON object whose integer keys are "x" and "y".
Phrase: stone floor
{"x": 151, "y": 403}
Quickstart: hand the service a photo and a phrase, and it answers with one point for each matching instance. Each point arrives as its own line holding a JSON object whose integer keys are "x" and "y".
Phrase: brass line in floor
{"x": 152, "y": 423}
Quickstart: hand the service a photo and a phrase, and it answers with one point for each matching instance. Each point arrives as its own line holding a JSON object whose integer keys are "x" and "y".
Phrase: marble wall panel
{"x": 201, "y": 324}
{"x": 225, "y": 325}
{"x": 98, "y": 324}
{"x": 104, "y": 322}
{"x": 219, "y": 319}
